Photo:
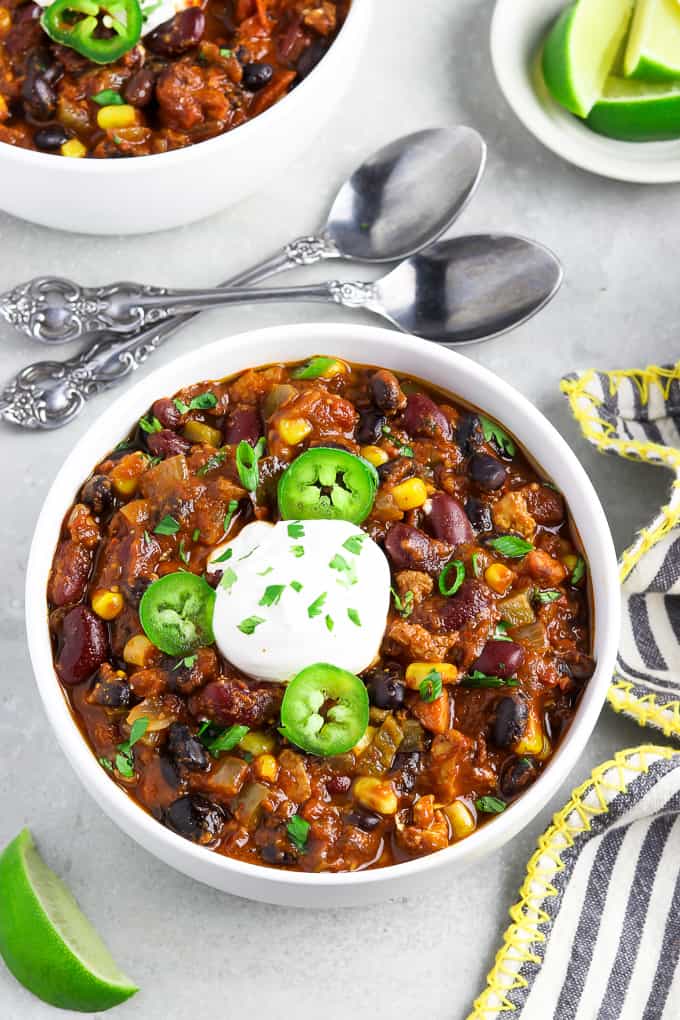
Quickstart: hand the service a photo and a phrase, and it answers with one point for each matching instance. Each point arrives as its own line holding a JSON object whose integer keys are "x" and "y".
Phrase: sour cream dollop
{"x": 300, "y": 592}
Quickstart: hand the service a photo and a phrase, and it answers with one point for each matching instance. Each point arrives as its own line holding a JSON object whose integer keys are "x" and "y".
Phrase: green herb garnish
{"x": 125, "y": 762}
{"x": 403, "y": 605}
{"x": 329, "y": 623}
{"x": 490, "y": 805}
{"x": 106, "y": 763}
{"x": 226, "y": 53}
{"x": 476, "y": 567}
{"x": 199, "y": 403}
{"x": 501, "y": 632}
{"x": 231, "y": 510}
{"x": 212, "y": 462}
{"x": 226, "y": 555}
{"x": 272, "y": 595}
{"x": 406, "y": 451}
{"x": 297, "y": 550}
{"x": 511, "y": 546}
{"x": 550, "y": 595}
{"x": 196, "y": 534}
{"x": 107, "y": 97}
{"x": 477, "y": 679}
{"x": 248, "y": 625}
{"x": 354, "y": 617}
{"x": 354, "y": 544}
{"x": 450, "y": 589}
{"x": 340, "y": 564}
{"x": 314, "y": 368}
{"x": 296, "y": 530}
{"x": 314, "y": 609}
{"x": 150, "y": 425}
{"x": 183, "y": 554}
{"x": 296, "y": 586}
{"x": 431, "y": 686}
{"x": 226, "y": 740}
{"x": 298, "y": 832}
{"x": 247, "y": 463}
{"x": 579, "y": 571}
{"x": 168, "y": 526}
{"x": 229, "y": 578}
{"x": 495, "y": 434}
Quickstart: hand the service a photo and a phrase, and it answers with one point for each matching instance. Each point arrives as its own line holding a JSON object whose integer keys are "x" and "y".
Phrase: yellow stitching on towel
{"x": 644, "y": 710}
{"x": 528, "y": 913}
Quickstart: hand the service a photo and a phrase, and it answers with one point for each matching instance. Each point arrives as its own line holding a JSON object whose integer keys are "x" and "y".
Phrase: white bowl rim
{"x": 330, "y": 338}
{"x": 607, "y": 157}
{"x": 189, "y": 152}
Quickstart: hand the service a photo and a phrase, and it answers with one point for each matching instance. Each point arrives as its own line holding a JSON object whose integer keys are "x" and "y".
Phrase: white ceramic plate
{"x": 367, "y": 345}
{"x": 517, "y": 31}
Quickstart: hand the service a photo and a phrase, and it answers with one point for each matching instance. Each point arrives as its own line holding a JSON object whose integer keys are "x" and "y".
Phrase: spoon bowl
{"x": 470, "y": 288}
{"x": 406, "y": 195}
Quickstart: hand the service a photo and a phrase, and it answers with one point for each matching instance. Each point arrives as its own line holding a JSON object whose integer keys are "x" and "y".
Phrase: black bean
{"x": 581, "y": 668}
{"x": 487, "y": 471}
{"x": 195, "y": 818}
{"x": 98, "y": 493}
{"x": 52, "y": 137}
{"x": 272, "y": 854}
{"x": 311, "y": 57}
{"x": 385, "y": 688}
{"x": 479, "y": 514}
{"x": 256, "y": 76}
{"x": 405, "y": 770}
{"x": 363, "y": 819}
{"x": 138, "y": 90}
{"x": 517, "y": 774}
{"x": 469, "y": 434}
{"x": 40, "y": 101}
{"x": 387, "y": 393}
{"x": 510, "y": 721}
{"x": 186, "y": 749}
{"x": 370, "y": 427}
{"x": 111, "y": 693}
{"x": 178, "y": 34}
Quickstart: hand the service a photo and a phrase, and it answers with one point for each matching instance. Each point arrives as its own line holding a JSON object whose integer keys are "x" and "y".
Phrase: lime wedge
{"x": 581, "y": 49}
{"x": 635, "y": 111}
{"x": 653, "y": 50}
{"x": 45, "y": 940}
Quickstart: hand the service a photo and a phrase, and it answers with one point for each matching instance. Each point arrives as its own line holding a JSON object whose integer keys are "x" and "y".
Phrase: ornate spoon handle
{"x": 49, "y": 394}
{"x": 55, "y": 311}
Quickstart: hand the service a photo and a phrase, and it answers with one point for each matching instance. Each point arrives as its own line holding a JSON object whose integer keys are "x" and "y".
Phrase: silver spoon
{"x": 457, "y": 291}
{"x": 396, "y": 203}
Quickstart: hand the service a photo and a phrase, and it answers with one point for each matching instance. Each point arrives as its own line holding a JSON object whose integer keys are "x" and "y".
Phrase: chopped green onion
{"x": 296, "y": 530}
{"x": 231, "y": 510}
{"x": 183, "y": 554}
{"x": 450, "y": 589}
{"x": 579, "y": 571}
{"x": 314, "y": 368}
{"x": 406, "y": 451}
{"x": 226, "y": 555}
{"x": 297, "y": 550}
{"x": 196, "y": 534}
{"x": 212, "y": 462}
{"x": 550, "y": 595}
{"x": 403, "y": 605}
{"x": 476, "y": 567}
{"x": 247, "y": 459}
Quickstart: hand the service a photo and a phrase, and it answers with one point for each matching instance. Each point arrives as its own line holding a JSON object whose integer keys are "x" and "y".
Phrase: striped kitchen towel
{"x": 636, "y": 414}
{"x": 596, "y": 932}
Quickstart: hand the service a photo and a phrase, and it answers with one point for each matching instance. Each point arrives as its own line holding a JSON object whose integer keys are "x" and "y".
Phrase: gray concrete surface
{"x": 195, "y": 951}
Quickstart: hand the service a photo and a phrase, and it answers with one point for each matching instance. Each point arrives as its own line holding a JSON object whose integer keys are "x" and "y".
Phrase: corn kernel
{"x": 4, "y": 109}
{"x": 499, "y": 577}
{"x": 570, "y": 561}
{"x": 74, "y": 149}
{"x": 257, "y": 742}
{"x": 410, "y": 494}
{"x": 417, "y": 671}
{"x": 266, "y": 767}
{"x": 365, "y": 741}
{"x": 110, "y": 118}
{"x": 5, "y": 22}
{"x": 138, "y": 651}
{"x": 374, "y": 455}
{"x": 199, "y": 432}
{"x": 107, "y": 603}
{"x": 461, "y": 819}
{"x": 376, "y": 795}
{"x": 294, "y": 430}
{"x": 533, "y": 741}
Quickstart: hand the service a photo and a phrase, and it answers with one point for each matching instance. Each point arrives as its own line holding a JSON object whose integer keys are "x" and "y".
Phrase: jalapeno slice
{"x": 324, "y": 483}
{"x": 176, "y": 613}
{"x": 79, "y": 23}
{"x": 325, "y": 710}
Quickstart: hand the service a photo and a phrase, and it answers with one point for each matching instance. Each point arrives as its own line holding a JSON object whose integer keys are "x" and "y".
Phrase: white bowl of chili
{"x": 466, "y": 381}
{"x": 171, "y": 189}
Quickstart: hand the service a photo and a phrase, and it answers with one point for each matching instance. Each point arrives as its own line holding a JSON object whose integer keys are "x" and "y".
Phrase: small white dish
{"x": 518, "y": 29}
{"x": 367, "y": 345}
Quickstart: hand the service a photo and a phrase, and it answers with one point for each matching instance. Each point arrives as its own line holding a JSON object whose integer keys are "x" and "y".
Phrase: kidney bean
{"x": 479, "y": 514}
{"x": 243, "y": 424}
{"x": 338, "y": 784}
{"x": 472, "y": 600}
{"x": 52, "y": 137}
{"x": 500, "y": 658}
{"x": 469, "y": 434}
{"x": 387, "y": 393}
{"x": 370, "y": 427}
{"x": 517, "y": 774}
{"x": 510, "y": 721}
{"x": 544, "y": 504}
{"x": 138, "y": 90}
{"x": 447, "y": 520}
{"x": 196, "y": 818}
{"x": 385, "y": 688}
{"x": 186, "y": 749}
{"x": 83, "y": 645}
{"x": 423, "y": 418}
{"x": 70, "y": 571}
{"x": 97, "y": 493}
{"x": 487, "y": 471}
{"x": 411, "y": 549}
{"x": 179, "y": 34}
{"x": 166, "y": 412}
{"x": 256, "y": 76}
{"x": 167, "y": 443}
{"x": 229, "y": 702}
